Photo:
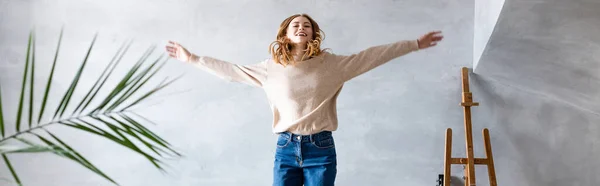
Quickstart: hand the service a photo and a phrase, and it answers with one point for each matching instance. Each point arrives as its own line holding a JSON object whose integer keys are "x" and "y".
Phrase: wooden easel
{"x": 470, "y": 161}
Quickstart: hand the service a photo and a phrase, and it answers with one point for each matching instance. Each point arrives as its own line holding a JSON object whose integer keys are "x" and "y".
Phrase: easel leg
{"x": 447, "y": 157}
{"x": 466, "y": 173}
{"x": 470, "y": 167}
{"x": 488, "y": 153}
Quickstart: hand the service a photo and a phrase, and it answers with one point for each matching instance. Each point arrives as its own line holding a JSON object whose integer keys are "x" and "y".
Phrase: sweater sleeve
{"x": 253, "y": 74}
{"x": 356, "y": 64}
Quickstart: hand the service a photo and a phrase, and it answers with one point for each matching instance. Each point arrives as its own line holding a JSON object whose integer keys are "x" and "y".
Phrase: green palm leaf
{"x": 103, "y": 119}
{"x": 49, "y": 83}
{"x": 12, "y": 170}
{"x": 20, "y": 110}
{"x": 31, "y": 78}
{"x": 1, "y": 115}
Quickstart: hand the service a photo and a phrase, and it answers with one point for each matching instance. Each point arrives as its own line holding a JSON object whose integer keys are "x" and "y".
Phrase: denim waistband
{"x": 306, "y": 138}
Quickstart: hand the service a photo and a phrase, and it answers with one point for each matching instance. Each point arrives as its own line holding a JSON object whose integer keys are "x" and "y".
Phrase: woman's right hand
{"x": 178, "y": 52}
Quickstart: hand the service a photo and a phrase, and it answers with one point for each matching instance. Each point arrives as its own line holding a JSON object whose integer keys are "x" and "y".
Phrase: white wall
{"x": 486, "y": 16}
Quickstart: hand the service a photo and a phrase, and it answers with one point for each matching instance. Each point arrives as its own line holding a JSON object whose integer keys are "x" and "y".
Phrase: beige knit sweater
{"x": 303, "y": 96}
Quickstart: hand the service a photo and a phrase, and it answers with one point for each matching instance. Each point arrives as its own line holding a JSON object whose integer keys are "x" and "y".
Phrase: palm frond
{"x": 103, "y": 120}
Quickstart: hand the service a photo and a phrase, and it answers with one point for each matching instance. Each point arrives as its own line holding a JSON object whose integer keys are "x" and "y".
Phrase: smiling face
{"x": 297, "y": 34}
{"x": 300, "y": 30}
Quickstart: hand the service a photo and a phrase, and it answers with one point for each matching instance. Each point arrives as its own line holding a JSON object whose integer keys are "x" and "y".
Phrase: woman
{"x": 302, "y": 83}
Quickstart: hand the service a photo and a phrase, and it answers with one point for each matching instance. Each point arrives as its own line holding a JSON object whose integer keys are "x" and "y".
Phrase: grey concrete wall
{"x": 550, "y": 47}
{"x": 392, "y": 119}
{"x": 536, "y": 139}
{"x": 546, "y": 51}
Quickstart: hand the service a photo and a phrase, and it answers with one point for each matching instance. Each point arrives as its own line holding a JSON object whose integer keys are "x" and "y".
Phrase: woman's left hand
{"x": 430, "y": 39}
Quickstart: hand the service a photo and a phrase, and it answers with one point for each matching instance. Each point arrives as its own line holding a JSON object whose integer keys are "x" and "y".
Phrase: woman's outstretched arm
{"x": 255, "y": 74}
{"x": 354, "y": 65}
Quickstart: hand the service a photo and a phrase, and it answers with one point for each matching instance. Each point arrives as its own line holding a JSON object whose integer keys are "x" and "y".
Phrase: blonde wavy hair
{"x": 280, "y": 49}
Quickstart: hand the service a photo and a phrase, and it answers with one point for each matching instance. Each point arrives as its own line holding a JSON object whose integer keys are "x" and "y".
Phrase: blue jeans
{"x": 308, "y": 160}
